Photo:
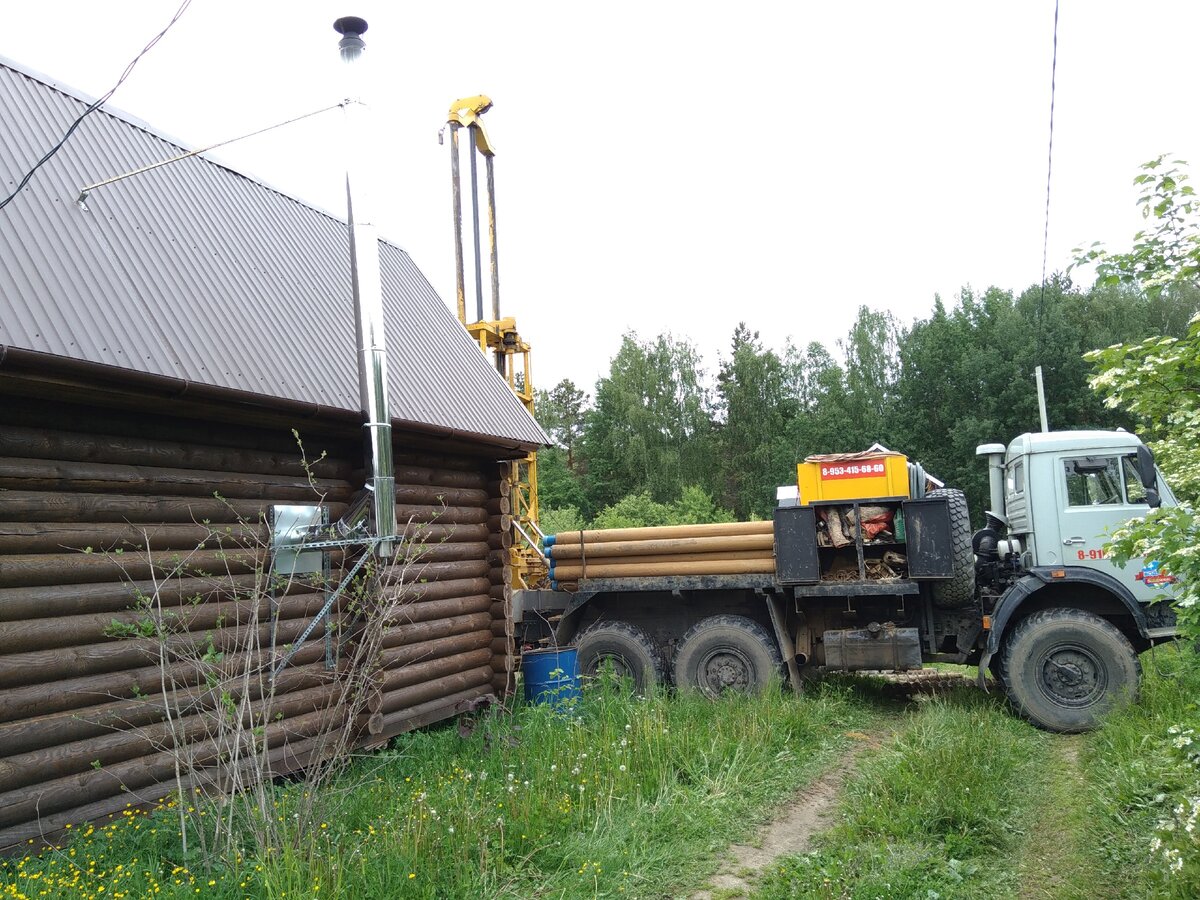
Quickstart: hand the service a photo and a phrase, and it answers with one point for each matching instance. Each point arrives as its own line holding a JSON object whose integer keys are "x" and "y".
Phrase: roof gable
{"x": 195, "y": 271}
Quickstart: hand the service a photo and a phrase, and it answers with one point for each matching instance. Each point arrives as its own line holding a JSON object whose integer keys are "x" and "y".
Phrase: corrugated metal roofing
{"x": 197, "y": 272}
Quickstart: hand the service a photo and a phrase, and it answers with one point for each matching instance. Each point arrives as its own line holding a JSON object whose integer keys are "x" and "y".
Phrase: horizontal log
{"x": 64, "y": 475}
{"x": 405, "y": 457}
{"x": 89, "y": 690}
{"x": 502, "y": 684}
{"x": 445, "y": 552}
{"x": 498, "y": 506}
{"x": 47, "y": 829}
{"x": 58, "y": 537}
{"x": 495, "y": 523}
{"x": 499, "y": 610}
{"x": 59, "y": 506}
{"x": 500, "y": 628}
{"x": 501, "y": 647}
{"x": 60, "y": 794}
{"x": 434, "y": 670}
{"x": 664, "y": 546}
{"x": 501, "y": 575}
{"x": 45, "y": 634}
{"x": 442, "y": 533}
{"x": 43, "y": 443}
{"x": 436, "y": 495}
{"x": 660, "y": 532}
{"x": 424, "y": 714}
{"x": 499, "y": 540}
{"x": 499, "y": 487}
{"x": 47, "y": 601}
{"x": 60, "y": 728}
{"x": 439, "y": 477}
{"x": 393, "y": 701}
{"x": 45, "y": 667}
{"x": 500, "y": 592}
{"x": 141, "y": 423}
{"x": 31, "y": 570}
{"x": 448, "y": 607}
{"x": 634, "y": 570}
{"x": 410, "y": 594}
{"x": 396, "y": 657}
{"x": 434, "y": 571}
{"x": 37, "y": 766}
{"x": 439, "y": 513}
{"x": 419, "y": 632}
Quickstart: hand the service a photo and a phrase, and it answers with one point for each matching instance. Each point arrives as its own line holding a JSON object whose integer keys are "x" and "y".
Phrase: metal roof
{"x": 197, "y": 272}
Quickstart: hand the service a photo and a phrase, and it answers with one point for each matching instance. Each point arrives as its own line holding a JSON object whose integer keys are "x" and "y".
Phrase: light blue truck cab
{"x": 1065, "y": 621}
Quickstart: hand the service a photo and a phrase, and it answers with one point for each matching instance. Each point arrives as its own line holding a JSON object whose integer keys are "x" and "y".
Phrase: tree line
{"x": 659, "y": 440}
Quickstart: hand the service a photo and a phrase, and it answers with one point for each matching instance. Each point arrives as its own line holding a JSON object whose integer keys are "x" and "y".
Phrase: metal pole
{"x": 456, "y": 193}
{"x": 367, "y": 290}
{"x": 475, "y": 220}
{"x": 1041, "y": 391}
{"x": 491, "y": 198}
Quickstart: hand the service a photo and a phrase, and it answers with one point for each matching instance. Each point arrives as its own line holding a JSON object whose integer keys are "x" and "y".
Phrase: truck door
{"x": 1097, "y": 494}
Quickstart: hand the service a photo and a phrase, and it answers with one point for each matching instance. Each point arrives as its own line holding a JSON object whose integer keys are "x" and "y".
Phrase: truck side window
{"x": 1093, "y": 481}
{"x": 1016, "y": 478}
{"x": 1134, "y": 491}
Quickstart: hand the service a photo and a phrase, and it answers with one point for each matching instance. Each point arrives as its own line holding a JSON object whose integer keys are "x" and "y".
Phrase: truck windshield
{"x": 1135, "y": 492}
{"x": 1093, "y": 481}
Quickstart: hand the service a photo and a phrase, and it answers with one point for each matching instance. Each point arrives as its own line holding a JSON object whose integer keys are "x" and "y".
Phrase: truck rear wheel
{"x": 959, "y": 590}
{"x": 726, "y": 653}
{"x": 626, "y": 648}
{"x": 1063, "y": 668}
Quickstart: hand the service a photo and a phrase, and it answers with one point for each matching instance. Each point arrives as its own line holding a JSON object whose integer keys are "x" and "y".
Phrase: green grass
{"x": 624, "y": 797}
{"x": 1135, "y": 776}
{"x": 940, "y": 811}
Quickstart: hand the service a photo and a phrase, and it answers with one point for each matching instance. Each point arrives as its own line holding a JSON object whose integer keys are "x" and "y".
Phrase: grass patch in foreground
{"x": 1138, "y": 772}
{"x": 938, "y": 812}
{"x": 623, "y": 798}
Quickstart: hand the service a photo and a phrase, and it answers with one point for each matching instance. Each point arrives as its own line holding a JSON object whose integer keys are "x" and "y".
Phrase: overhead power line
{"x": 25, "y": 179}
{"x": 1049, "y": 167}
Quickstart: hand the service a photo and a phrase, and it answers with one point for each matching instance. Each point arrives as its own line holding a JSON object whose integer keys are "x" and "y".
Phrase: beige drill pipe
{"x": 664, "y": 557}
{"x": 653, "y": 570}
{"x": 717, "y": 544}
{"x": 663, "y": 532}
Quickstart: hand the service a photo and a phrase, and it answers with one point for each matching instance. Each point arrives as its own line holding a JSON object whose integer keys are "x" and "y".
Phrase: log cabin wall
{"x": 97, "y": 503}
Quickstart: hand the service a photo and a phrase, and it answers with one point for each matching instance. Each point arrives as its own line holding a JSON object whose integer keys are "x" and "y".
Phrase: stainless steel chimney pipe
{"x": 368, "y": 305}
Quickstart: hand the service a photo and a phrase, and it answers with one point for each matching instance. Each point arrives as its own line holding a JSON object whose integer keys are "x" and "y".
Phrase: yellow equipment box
{"x": 852, "y": 476}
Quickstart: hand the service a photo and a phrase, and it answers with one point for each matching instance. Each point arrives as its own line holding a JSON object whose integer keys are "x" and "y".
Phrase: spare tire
{"x": 959, "y": 589}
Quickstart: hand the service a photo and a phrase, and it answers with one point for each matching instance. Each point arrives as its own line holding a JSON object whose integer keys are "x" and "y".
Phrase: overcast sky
{"x": 683, "y": 166}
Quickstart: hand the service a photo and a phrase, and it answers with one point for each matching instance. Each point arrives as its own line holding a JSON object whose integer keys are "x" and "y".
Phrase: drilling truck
{"x": 869, "y": 565}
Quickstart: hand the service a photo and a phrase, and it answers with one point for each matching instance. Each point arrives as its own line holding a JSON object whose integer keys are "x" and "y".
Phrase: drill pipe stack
{"x": 732, "y": 548}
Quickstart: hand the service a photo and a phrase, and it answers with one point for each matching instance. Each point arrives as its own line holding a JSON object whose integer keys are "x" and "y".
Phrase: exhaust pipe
{"x": 995, "y": 455}
{"x": 368, "y": 306}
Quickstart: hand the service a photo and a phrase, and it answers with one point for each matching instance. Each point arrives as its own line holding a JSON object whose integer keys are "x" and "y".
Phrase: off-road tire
{"x": 723, "y": 653}
{"x": 959, "y": 590}
{"x": 1063, "y": 668}
{"x": 630, "y": 651}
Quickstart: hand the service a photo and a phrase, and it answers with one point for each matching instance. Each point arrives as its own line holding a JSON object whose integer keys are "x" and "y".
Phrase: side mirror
{"x": 1152, "y": 499}
{"x": 1145, "y": 463}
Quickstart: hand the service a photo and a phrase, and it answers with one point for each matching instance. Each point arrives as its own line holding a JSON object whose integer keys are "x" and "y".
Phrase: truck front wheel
{"x": 726, "y": 653}
{"x": 1064, "y": 667}
{"x": 626, "y": 648}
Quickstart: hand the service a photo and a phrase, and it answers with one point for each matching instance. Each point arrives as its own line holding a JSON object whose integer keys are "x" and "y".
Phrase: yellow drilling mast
{"x": 500, "y": 336}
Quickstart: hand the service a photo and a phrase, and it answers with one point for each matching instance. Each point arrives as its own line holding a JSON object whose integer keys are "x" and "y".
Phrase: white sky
{"x": 683, "y": 166}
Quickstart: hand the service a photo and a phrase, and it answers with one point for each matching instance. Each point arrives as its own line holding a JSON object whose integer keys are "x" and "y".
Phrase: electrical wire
{"x": 1049, "y": 166}
{"x": 95, "y": 106}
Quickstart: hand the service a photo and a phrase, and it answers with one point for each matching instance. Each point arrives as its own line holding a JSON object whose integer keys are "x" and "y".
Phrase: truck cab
{"x": 1066, "y": 622}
